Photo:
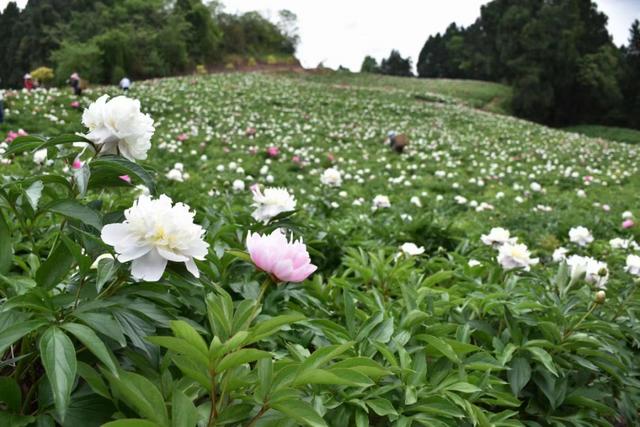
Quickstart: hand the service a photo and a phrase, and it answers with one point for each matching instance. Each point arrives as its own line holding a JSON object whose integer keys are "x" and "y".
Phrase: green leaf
{"x": 24, "y": 143}
{"x": 16, "y": 331}
{"x": 242, "y": 255}
{"x": 241, "y": 357}
{"x": 59, "y": 360}
{"x": 74, "y": 210}
{"x": 140, "y": 394}
{"x": 56, "y": 267}
{"x": 363, "y": 365}
{"x": 382, "y": 407}
{"x": 10, "y": 394}
{"x": 334, "y": 377}
{"x": 300, "y": 411}
{"x": 105, "y": 171}
{"x": 182, "y": 329}
{"x": 542, "y": 356}
{"x": 269, "y": 327}
{"x": 441, "y": 347}
{"x": 95, "y": 345}
{"x": 463, "y": 387}
{"x": 94, "y": 379}
{"x": 107, "y": 267}
{"x": 180, "y": 346}
{"x": 519, "y": 375}
{"x": 183, "y": 412}
{"x": 33, "y": 194}
{"x": 130, "y": 422}
{"x": 6, "y": 246}
{"x": 324, "y": 355}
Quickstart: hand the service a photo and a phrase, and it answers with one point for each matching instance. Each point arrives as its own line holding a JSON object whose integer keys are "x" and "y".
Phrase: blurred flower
{"x": 331, "y": 177}
{"x": 633, "y": 265}
{"x": 125, "y": 178}
{"x": 411, "y": 249}
{"x": 273, "y": 151}
{"x": 286, "y": 261}
{"x": 497, "y": 236}
{"x": 40, "y": 156}
{"x": 560, "y": 254}
{"x": 272, "y": 202}
{"x": 238, "y": 185}
{"x": 154, "y": 232}
{"x": 381, "y": 202}
{"x": 580, "y": 236}
{"x": 627, "y": 223}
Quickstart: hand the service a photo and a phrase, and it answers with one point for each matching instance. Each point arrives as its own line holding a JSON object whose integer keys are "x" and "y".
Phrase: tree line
{"x": 108, "y": 39}
{"x": 556, "y": 54}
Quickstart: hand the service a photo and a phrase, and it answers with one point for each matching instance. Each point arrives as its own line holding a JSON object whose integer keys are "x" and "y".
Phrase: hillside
{"x": 465, "y": 327}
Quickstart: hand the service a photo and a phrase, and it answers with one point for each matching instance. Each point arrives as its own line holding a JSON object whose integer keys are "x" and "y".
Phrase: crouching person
{"x": 397, "y": 142}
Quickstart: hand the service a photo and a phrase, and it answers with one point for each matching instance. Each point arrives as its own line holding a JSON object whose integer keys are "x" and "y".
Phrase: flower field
{"x": 248, "y": 250}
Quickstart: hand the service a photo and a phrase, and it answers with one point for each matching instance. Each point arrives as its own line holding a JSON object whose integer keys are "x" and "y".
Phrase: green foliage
{"x": 396, "y": 65}
{"x": 369, "y": 65}
{"x": 134, "y": 38}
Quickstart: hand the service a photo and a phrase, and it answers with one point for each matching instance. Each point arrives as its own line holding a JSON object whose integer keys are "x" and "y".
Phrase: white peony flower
{"x": 560, "y": 254}
{"x": 272, "y": 202}
{"x": 619, "y": 243}
{"x": 633, "y": 265}
{"x": 535, "y": 187}
{"x": 118, "y": 126}
{"x": 580, "y": 236}
{"x": 627, "y": 215}
{"x": 40, "y": 156}
{"x": 497, "y": 236}
{"x": 411, "y": 249}
{"x": 175, "y": 175}
{"x": 381, "y": 202}
{"x": 331, "y": 177}
{"x": 594, "y": 271}
{"x": 154, "y": 232}
{"x": 512, "y": 256}
{"x": 415, "y": 200}
{"x": 238, "y": 185}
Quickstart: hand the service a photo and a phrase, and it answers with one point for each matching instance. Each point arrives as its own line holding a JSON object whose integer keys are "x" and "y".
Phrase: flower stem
{"x": 263, "y": 289}
{"x": 587, "y": 314}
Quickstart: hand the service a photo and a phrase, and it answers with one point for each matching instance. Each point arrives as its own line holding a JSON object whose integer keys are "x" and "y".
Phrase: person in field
{"x": 1, "y": 106}
{"x": 125, "y": 83}
{"x": 28, "y": 81}
{"x": 397, "y": 141}
{"x": 74, "y": 81}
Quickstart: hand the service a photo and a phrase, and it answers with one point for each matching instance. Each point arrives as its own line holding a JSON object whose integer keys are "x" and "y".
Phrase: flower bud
{"x": 600, "y": 297}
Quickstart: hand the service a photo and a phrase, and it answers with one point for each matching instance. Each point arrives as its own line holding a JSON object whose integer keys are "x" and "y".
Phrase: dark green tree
{"x": 369, "y": 65}
{"x": 396, "y": 65}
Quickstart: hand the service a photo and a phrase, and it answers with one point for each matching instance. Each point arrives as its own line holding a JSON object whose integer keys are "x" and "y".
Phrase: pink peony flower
{"x": 287, "y": 261}
{"x": 331, "y": 157}
{"x": 273, "y": 151}
{"x": 22, "y": 132}
{"x": 253, "y": 151}
{"x": 75, "y": 104}
{"x": 11, "y": 136}
{"x": 627, "y": 223}
{"x": 182, "y": 137}
{"x": 125, "y": 178}
{"x": 77, "y": 164}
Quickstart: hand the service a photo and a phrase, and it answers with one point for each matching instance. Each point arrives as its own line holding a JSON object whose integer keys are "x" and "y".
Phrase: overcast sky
{"x": 342, "y": 32}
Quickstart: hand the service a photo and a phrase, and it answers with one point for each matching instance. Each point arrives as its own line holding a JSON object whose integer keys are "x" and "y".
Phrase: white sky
{"x": 342, "y": 32}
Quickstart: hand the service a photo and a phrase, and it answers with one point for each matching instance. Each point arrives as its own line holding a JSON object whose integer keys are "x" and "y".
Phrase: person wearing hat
{"x": 28, "y": 81}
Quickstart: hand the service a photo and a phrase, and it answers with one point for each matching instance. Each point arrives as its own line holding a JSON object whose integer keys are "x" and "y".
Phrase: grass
{"x": 489, "y": 96}
{"x": 611, "y": 133}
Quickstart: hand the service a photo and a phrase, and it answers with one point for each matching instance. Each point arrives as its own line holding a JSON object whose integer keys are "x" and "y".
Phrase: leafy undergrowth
{"x": 466, "y": 327}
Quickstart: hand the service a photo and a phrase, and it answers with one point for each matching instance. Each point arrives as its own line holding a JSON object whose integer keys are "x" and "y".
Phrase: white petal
{"x": 191, "y": 267}
{"x": 149, "y": 268}
{"x": 113, "y": 234}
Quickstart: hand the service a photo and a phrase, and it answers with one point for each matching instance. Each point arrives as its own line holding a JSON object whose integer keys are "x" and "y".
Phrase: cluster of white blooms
{"x": 594, "y": 271}
{"x": 117, "y": 126}
{"x": 411, "y": 249}
{"x": 511, "y": 254}
{"x": 177, "y": 173}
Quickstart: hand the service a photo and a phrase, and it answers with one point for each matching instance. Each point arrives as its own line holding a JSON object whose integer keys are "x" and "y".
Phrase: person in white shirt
{"x": 125, "y": 83}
